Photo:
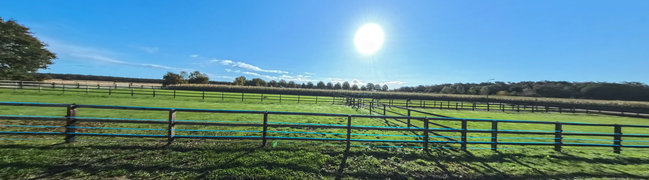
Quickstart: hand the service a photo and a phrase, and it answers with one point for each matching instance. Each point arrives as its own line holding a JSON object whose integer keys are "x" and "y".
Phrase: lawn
{"x": 24, "y": 157}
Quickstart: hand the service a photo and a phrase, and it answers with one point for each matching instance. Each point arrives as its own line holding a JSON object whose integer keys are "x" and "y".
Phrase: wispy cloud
{"x": 308, "y": 73}
{"x": 150, "y": 50}
{"x": 87, "y": 53}
{"x": 246, "y": 66}
{"x": 194, "y": 56}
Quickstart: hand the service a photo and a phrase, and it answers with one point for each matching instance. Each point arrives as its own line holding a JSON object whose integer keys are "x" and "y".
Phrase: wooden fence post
{"x": 20, "y": 84}
{"x": 70, "y": 123}
{"x": 464, "y": 134}
{"x": 86, "y": 89}
{"x": 264, "y": 131}
{"x": 349, "y": 130}
{"x": 132, "y": 92}
{"x": 242, "y": 97}
{"x": 425, "y": 133}
{"x": 174, "y": 93}
{"x": 617, "y": 139}
{"x": 203, "y": 95}
{"x": 494, "y": 135}
{"x": 261, "y": 98}
{"x": 558, "y": 130}
{"x": 153, "y": 92}
{"x": 298, "y": 99}
{"x": 488, "y": 107}
{"x": 110, "y": 90}
{"x": 384, "y": 109}
{"x": 171, "y": 130}
{"x": 316, "y": 99}
{"x": 456, "y": 106}
{"x": 333, "y": 100}
{"x": 371, "y": 105}
{"x": 473, "y": 106}
{"x": 280, "y": 98}
{"x": 407, "y": 103}
{"x": 408, "y": 117}
{"x": 222, "y": 98}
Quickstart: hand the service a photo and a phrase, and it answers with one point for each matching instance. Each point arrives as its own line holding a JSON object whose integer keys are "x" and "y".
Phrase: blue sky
{"x": 426, "y": 42}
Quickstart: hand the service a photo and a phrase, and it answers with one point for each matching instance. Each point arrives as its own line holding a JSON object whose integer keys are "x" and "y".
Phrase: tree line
{"x": 558, "y": 89}
{"x": 242, "y": 81}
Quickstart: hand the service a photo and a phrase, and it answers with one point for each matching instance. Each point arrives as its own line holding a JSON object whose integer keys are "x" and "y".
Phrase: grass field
{"x": 23, "y": 157}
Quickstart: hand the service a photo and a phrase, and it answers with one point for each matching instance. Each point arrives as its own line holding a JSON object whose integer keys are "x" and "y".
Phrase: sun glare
{"x": 369, "y": 38}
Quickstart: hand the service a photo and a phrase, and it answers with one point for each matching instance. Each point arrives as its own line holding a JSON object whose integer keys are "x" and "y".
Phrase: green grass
{"x": 24, "y": 157}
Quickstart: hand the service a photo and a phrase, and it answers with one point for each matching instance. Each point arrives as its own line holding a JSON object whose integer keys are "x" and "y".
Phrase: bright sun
{"x": 369, "y": 38}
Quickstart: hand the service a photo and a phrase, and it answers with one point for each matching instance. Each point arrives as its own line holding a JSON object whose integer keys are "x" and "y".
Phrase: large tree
{"x": 198, "y": 78}
{"x": 172, "y": 78}
{"x": 21, "y": 54}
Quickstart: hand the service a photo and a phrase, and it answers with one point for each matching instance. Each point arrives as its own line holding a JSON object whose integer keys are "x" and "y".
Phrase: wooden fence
{"x": 408, "y": 103}
{"x": 70, "y": 133}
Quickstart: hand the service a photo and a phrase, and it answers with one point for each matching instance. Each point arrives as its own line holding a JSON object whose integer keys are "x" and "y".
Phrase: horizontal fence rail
{"x": 154, "y": 91}
{"x": 424, "y": 135}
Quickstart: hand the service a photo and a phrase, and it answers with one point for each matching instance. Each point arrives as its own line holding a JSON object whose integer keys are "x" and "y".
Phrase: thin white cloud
{"x": 246, "y": 66}
{"x": 308, "y": 73}
{"x": 226, "y": 62}
{"x": 194, "y": 56}
{"x": 149, "y": 50}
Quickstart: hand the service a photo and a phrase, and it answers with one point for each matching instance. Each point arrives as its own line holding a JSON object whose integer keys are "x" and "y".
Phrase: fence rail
{"x": 560, "y": 136}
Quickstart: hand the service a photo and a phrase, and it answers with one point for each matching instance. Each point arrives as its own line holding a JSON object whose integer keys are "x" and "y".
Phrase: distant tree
{"x": 370, "y": 86}
{"x": 292, "y": 84}
{"x": 354, "y": 87}
{"x": 282, "y": 83}
{"x": 448, "y": 90}
{"x": 240, "y": 81}
{"x": 338, "y": 86}
{"x": 198, "y": 78}
{"x": 377, "y": 87}
{"x": 309, "y": 85}
{"x": 485, "y": 90}
{"x": 273, "y": 83}
{"x": 172, "y": 78}
{"x": 474, "y": 90}
{"x": 302, "y": 86}
{"x": 21, "y": 54}
{"x": 385, "y": 87}
{"x": 330, "y": 85}
{"x": 321, "y": 85}
{"x": 363, "y": 88}
{"x": 258, "y": 82}
{"x": 346, "y": 85}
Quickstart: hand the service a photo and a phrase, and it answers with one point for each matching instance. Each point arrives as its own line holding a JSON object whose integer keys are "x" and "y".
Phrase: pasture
{"x": 30, "y": 156}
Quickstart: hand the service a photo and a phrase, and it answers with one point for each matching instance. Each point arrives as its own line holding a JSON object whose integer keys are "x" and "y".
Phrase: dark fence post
{"x": 63, "y": 91}
{"x": 153, "y": 92}
{"x": 408, "y": 117}
{"x": 494, "y": 135}
{"x": 316, "y": 99}
{"x": 618, "y": 139}
{"x": 384, "y": 109}
{"x": 464, "y": 131}
{"x": 349, "y": 130}
{"x": 171, "y": 131}
{"x": 558, "y": 129}
{"x": 174, "y": 93}
{"x": 488, "y": 107}
{"x": 456, "y": 106}
{"x": 473, "y": 106}
{"x": 425, "y": 133}
{"x": 70, "y": 123}
{"x": 242, "y": 97}
{"x": 132, "y": 92}
{"x": 371, "y": 104}
{"x": 333, "y": 100}
{"x": 110, "y": 90}
{"x": 262, "y": 98}
{"x": 298, "y": 99}
{"x": 407, "y": 103}
{"x": 222, "y": 98}
{"x": 280, "y": 98}
{"x": 203, "y": 95}
{"x": 264, "y": 132}
{"x": 424, "y": 104}
{"x": 39, "y": 88}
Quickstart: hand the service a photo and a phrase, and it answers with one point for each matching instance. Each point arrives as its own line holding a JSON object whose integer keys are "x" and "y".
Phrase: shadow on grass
{"x": 94, "y": 159}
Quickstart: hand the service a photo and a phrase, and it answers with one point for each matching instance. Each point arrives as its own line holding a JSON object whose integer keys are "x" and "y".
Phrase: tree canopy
{"x": 21, "y": 54}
